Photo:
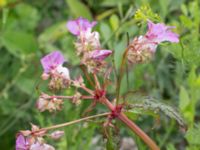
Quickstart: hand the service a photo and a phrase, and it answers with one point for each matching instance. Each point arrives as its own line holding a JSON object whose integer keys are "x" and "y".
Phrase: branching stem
{"x": 74, "y": 122}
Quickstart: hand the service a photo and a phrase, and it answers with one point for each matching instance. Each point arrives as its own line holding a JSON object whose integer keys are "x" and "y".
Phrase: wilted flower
{"x": 57, "y": 134}
{"x": 77, "y": 98}
{"x": 80, "y": 25}
{"x": 54, "y": 104}
{"x": 100, "y": 54}
{"x": 45, "y": 102}
{"x": 52, "y": 61}
{"x": 42, "y": 102}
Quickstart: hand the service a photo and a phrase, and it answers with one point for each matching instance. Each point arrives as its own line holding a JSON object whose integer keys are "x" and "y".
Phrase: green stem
{"x": 122, "y": 66}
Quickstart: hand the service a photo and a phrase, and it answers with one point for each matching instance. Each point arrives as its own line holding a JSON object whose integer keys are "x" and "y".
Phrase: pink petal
{"x": 100, "y": 54}
{"x": 21, "y": 143}
{"x": 52, "y": 60}
{"x": 79, "y": 25}
{"x": 160, "y": 32}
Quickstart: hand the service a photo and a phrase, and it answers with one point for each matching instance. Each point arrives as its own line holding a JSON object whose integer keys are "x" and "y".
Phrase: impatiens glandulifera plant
{"x": 93, "y": 56}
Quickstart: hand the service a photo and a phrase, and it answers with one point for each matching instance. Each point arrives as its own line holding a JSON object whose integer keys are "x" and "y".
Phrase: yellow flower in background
{"x": 3, "y": 3}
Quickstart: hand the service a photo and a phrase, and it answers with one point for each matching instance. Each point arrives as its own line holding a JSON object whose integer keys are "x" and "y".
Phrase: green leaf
{"x": 51, "y": 34}
{"x": 114, "y": 21}
{"x": 193, "y": 137}
{"x": 154, "y": 106}
{"x": 28, "y": 16}
{"x": 184, "y": 99}
{"x": 19, "y": 43}
{"x": 79, "y": 9}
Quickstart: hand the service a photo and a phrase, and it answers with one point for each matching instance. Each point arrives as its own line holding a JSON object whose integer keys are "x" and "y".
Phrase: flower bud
{"x": 57, "y": 134}
{"x": 45, "y": 76}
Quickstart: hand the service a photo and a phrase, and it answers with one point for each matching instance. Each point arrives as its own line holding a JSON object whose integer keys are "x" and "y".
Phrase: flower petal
{"x": 100, "y": 54}
{"x": 79, "y": 25}
{"x": 52, "y": 60}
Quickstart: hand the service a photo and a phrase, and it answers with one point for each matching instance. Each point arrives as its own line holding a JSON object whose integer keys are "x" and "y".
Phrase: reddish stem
{"x": 132, "y": 126}
{"x": 71, "y": 97}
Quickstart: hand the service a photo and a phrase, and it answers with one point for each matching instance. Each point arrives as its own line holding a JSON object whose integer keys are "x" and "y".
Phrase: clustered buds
{"x": 88, "y": 46}
{"x": 142, "y": 48}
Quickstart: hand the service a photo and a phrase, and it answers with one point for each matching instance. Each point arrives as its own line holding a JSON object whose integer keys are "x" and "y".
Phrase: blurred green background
{"x": 31, "y": 28}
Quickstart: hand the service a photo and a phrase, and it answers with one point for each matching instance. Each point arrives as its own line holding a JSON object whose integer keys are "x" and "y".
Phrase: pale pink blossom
{"x": 100, "y": 54}
{"x": 159, "y": 32}
{"x": 80, "y": 25}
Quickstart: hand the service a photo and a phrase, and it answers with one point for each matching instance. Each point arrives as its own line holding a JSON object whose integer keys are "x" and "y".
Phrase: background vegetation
{"x": 30, "y": 29}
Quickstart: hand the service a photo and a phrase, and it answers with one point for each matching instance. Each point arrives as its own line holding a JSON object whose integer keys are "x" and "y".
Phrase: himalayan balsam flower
{"x": 142, "y": 48}
{"x": 100, "y": 54}
{"x": 80, "y": 25}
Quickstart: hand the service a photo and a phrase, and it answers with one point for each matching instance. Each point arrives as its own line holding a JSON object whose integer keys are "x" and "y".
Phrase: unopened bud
{"x": 45, "y": 76}
{"x": 57, "y": 134}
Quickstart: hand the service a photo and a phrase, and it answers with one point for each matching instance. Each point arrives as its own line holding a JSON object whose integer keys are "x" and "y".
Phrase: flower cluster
{"x": 89, "y": 49}
{"x": 142, "y": 48}
{"x": 46, "y": 102}
{"x": 88, "y": 46}
{"x": 53, "y": 68}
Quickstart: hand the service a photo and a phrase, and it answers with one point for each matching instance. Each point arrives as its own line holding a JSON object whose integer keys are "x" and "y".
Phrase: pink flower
{"x": 52, "y": 61}
{"x": 22, "y": 143}
{"x": 100, "y": 54}
{"x": 80, "y": 25}
{"x": 159, "y": 32}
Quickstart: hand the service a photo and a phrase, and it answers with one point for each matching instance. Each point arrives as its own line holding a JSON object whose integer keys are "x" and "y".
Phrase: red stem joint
{"x": 115, "y": 113}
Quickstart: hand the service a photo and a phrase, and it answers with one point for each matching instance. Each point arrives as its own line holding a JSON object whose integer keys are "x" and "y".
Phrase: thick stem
{"x": 133, "y": 126}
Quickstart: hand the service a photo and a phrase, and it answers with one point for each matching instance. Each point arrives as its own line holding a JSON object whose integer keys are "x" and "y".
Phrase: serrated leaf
{"x": 154, "y": 106}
